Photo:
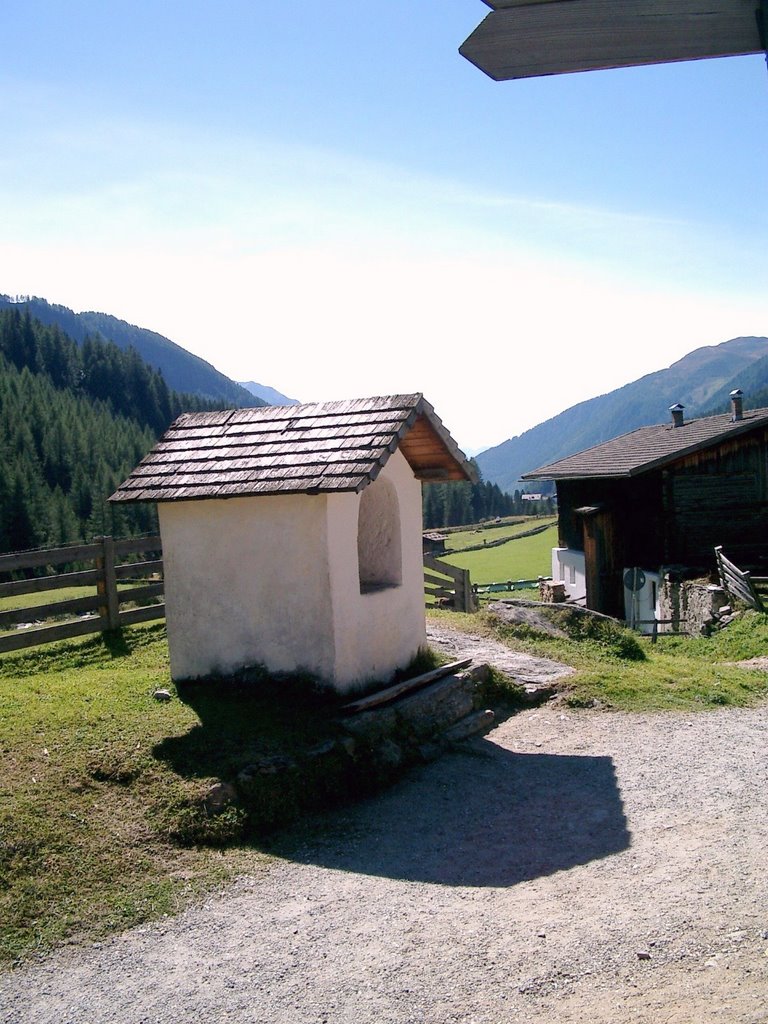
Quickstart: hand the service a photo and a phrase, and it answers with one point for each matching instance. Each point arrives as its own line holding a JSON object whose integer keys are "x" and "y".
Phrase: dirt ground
{"x": 569, "y": 866}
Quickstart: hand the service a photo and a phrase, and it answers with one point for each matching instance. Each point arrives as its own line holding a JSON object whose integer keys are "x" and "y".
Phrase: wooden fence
{"x": 740, "y": 584}
{"x": 507, "y": 586}
{"x": 109, "y": 575}
{"x": 448, "y": 585}
{"x": 88, "y": 614}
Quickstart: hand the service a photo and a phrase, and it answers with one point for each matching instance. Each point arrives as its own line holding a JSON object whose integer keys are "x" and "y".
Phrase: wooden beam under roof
{"x": 528, "y": 38}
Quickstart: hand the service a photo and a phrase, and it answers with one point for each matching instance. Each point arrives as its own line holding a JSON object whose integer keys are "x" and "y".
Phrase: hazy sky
{"x": 327, "y": 198}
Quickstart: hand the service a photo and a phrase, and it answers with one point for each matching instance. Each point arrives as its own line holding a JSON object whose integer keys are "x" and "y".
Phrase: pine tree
{"x": 74, "y": 421}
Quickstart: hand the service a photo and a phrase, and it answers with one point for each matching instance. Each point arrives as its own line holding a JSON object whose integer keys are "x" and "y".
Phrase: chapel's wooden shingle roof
{"x": 649, "y": 448}
{"x": 322, "y": 447}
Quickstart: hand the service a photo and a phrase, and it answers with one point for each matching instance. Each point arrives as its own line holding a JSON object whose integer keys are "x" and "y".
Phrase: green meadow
{"x": 520, "y": 558}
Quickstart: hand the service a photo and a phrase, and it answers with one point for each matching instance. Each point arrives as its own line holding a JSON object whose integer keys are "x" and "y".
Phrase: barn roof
{"x": 311, "y": 449}
{"x": 649, "y": 448}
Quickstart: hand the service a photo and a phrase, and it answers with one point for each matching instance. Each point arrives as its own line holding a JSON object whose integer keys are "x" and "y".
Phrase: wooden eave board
{"x": 429, "y": 454}
{"x": 527, "y": 39}
{"x": 649, "y": 448}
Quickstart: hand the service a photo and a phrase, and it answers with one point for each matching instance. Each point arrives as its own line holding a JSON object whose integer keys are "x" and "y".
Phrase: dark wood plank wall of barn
{"x": 719, "y": 496}
{"x": 637, "y": 509}
{"x": 678, "y": 515}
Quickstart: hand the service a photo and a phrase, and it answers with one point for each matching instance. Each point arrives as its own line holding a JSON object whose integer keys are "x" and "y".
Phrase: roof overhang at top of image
{"x": 528, "y": 38}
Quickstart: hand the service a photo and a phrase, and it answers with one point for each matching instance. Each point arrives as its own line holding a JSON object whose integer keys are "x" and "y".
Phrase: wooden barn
{"x": 661, "y": 496}
{"x": 292, "y": 535}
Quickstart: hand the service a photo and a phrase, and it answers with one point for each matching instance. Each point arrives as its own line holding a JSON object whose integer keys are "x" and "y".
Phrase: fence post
{"x": 106, "y": 586}
{"x": 467, "y": 595}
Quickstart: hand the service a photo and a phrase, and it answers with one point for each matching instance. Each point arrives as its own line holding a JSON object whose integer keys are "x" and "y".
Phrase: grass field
{"x": 89, "y": 799}
{"x": 526, "y": 558}
{"x": 617, "y": 669}
{"x": 44, "y": 597}
{"x": 8, "y": 604}
{"x": 476, "y": 536}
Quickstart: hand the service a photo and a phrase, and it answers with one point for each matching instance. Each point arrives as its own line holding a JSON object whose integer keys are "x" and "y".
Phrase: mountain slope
{"x": 699, "y": 380}
{"x": 74, "y": 420}
{"x": 266, "y": 393}
{"x": 183, "y": 371}
{"x": 753, "y": 381}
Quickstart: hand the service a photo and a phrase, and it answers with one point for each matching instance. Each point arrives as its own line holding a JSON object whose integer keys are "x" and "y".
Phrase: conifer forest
{"x": 74, "y": 420}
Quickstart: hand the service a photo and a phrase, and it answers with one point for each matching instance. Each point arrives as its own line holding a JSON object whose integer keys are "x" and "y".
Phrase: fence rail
{"x": 448, "y": 585}
{"x": 102, "y": 610}
{"x": 507, "y": 586}
{"x": 740, "y": 584}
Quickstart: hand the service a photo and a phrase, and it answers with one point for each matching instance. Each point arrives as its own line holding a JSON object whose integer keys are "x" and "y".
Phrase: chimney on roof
{"x": 677, "y": 414}
{"x": 737, "y": 405}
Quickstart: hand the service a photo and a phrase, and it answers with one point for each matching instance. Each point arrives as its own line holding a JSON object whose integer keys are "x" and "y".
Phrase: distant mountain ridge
{"x": 701, "y": 381}
{"x": 182, "y": 371}
{"x": 267, "y": 394}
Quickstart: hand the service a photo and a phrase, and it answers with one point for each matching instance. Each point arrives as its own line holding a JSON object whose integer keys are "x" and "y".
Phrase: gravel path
{"x": 525, "y": 668}
{"x": 570, "y": 866}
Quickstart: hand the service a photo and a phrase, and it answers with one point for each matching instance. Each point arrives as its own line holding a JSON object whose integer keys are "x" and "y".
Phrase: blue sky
{"x": 328, "y": 199}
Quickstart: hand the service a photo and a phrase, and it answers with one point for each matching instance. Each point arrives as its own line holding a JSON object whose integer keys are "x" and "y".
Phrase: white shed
{"x": 292, "y": 535}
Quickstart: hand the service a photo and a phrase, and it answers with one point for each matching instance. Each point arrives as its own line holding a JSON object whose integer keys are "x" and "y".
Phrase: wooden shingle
{"x": 313, "y": 448}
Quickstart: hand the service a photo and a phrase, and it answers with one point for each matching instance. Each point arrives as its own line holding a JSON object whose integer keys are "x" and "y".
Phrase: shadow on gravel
{"x": 482, "y": 817}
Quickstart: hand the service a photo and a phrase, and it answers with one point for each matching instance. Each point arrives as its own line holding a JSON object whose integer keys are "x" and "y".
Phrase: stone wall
{"x": 694, "y": 607}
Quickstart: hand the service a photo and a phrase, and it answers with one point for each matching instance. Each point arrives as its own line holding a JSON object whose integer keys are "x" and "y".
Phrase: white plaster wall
{"x": 244, "y": 578}
{"x": 642, "y": 605}
{"x": 378, "y": 632}
{"x": 275, "y": 581}
{"x": 568, "y": 567}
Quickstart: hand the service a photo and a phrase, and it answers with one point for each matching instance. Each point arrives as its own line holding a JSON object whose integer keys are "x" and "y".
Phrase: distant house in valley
{"x": 292, "y": 535}
{"x": 660, "y": 496}
{"x": 433, "y": 543}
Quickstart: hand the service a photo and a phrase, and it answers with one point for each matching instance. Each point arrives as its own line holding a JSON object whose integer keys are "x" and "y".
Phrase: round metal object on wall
{"x": 634, "y": 579}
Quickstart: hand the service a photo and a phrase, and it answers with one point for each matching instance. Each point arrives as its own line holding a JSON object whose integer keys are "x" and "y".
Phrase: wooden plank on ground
{"x": 392, "y": 692}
